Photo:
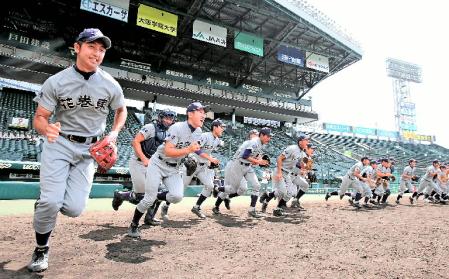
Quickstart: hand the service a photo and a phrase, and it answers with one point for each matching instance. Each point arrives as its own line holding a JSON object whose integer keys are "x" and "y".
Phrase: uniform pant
{"x": 66, "y": 175}
{"x": 284, "y": 188}
{"x": 205, "y": 176}
{"x": 158, "y": 171}
{"x": 347, "y": 182}
{"x": 301, "y": 183}
{"x": 428, "y": 185}
{"x": 138, "y": 172}
{"x": 404, "y": 186}
{"x": 234, "y": 172}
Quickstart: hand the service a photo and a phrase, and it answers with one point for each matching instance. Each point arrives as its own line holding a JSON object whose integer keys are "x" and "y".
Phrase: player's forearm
{"x": 175, "y": 152}
{"x": 40, "y": 124}
{"x": 138, "y": 150}
{"x": 119, "y": 119}
{"x": 206, "y": 156}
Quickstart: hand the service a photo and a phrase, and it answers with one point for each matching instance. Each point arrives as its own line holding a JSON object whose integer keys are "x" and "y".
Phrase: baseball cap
{"x": 302, "y": 137}
{"x": 253, "y": 131}
{"x": 197, "y": 106}
{"x": 93, "y": 34}
{"x": 309, "y": 145}
{"x": 435, "y": 162}
{"x": 372, "y": 162}
{"x": 218, "y": 122}
{"x": 411, "y": 160}
{"x": 265, "y": 131}
{"x": 365, "y": 158}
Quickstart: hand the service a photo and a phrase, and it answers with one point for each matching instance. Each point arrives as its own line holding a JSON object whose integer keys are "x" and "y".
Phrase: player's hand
{"x": 194, "y": 147}
{"x": 145, "y": 162}
{"x": 262, "y": 162}
{"x": 214, "y": 161}
{"x": 52, "y": 131}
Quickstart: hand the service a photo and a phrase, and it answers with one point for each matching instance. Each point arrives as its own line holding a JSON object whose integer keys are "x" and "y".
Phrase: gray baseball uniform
{"x": 67, "y": 169}
{"x": 428, "y": 181}
{"x": 166, "y": 169}
{"x": 239, "y": 168}
{"x": 350, "y": 180}
{"x": 286, "y": 188}
{"x": 380, "y": 189}
{"x": 208, "y": 143}
{"x": 366, "y": 186}
{"x": 406, "y": 183}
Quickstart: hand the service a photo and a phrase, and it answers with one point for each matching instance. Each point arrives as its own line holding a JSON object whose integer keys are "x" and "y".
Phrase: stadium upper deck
{"x": 279, "y": 24}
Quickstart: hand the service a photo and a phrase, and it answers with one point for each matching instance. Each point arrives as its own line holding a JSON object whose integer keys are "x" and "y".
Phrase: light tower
{"x": 402, "y": 73}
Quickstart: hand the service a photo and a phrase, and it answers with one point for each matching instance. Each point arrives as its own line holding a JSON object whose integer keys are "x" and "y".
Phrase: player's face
{"x": 265, "y": 139}
{"x": 89, "y": 55}
{"x": 167, "y": 121}
{"x": 303, "y": 144}
{"x": 218, "y": 131}
{"x": 196, "y": 118}
{"x": 413, "y": 164}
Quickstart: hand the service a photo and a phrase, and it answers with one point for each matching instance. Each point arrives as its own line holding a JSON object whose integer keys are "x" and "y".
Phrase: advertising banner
{"x": 291, "y": 55}
{"x": 157, "y": 20}
{"x": 116, "y": 9}
{"x": 317, "y": 62}
{"x": 388, "y": 134}
{"x": 364, "y": 131}
{"x": 249, "y": 43}
{"x": 337, "y": 128}
{"x": 209, "y": 33}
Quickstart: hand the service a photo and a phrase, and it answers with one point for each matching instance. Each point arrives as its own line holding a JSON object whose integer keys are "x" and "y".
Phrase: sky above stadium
{"x": 362, "y": 94}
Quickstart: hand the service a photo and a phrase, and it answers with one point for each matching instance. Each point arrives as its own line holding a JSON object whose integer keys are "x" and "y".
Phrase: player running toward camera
{"x": 203, "y": 166}
{"x": 79, "y": 98}
{"x": 284, "y": 188}
{"x": 370, "y": 183}
{"x": 408, "y": 175}
{"x": 182, "y": 139}
{"x": 239, "y": 170}
{"x": 353, "y": 178}
{"x": 384, "y": 175}
{"x": 145, "y": 144}
{"x": 305, "y": 173}
{"x": 430, "y": 180}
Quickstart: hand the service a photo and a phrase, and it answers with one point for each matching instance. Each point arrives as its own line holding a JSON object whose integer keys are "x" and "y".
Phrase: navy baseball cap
{"x": 302, "y": 137}
{"x": 364, "y": 158}
{"x": 93, "y": 34}
{"x": 197, "y": 106}
{"x": 373, "y": 162}
{"x": 218, "y": 122}
{"x": 435, "y": 162}
{"x": 265, "y": 131}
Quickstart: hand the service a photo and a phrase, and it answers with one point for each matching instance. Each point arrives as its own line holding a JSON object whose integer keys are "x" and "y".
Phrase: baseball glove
{"x": 190, "y": 165}
{"x": 266, "y": 158}
{"x": 392, "y": 178}
{"x": 104, "y": 153}
{"x": 213, "y": 166}
{"x": 415, "y": 178}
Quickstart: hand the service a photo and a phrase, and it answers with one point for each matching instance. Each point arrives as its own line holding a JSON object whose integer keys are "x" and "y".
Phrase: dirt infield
{"x": 329, "y": 240}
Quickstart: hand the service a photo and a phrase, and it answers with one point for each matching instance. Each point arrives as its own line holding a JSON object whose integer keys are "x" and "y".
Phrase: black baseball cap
{"x": 435, "y": 162}
{"x": 265, "y": 131}
{"x": 364, "y": 158}
{"x": 411, "y": 161}
{"x": 372, "y": 162}
{"x": 197, "y": 106}
{"x": 217, "y": 122}
{"x": 93, "y": 34}
{"x": 302, "y": 137}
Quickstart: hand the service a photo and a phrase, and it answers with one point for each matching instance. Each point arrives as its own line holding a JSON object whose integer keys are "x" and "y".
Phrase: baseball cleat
{"x": 278, "y": 212}
{"x": 295, "y": 203}
{"x": 164, "y": 213}
{"x": 216, "y": 211}
{"x": 253, "y": 213}
{"x": 117, "y": 200}
{"x": 351, "y": 202}
{"x": 39, "y": 260}
{"x": 398, "y": 202}
{"x": 133, "y": 231}
{"x": 198, "y": 212}
{"x": 227, "y": 203}
{"x": 357, "y": 205}
{"x": 327, "y": 196}
{"x": 152, "y": 222}
{"x": 411, "y": 200}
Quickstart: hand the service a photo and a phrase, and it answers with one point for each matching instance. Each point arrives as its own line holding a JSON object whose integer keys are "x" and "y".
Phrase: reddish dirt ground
{"x": 328, "y": 240}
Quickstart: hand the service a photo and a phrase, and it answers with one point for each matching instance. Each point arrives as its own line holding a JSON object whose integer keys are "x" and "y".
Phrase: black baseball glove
{"x": 266, "y": 158}
{"x": 190, "y": 165}
{"x": 213, "y": 166}
{"x": 415, "y": 178}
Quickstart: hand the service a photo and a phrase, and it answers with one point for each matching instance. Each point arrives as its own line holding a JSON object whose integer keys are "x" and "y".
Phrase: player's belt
{"x": 167, "y": 163}
{"x": 201, "y": 164}
{"x": 244, "y": 164}
{"x": 80, "y": 139}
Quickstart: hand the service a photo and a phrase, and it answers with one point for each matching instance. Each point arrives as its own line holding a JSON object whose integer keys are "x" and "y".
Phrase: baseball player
{"x": 368, "y": 173}
{"x": 354, "y": 179}
{"x": 209, "y": 142}
{"x": 429, "y": 180}
{"x": 249, "y": 153}
{"x": 302, "y": 176}
{"x": 182, "y": 139}
{"x": 79, "y": 98}
{"x": 406, "y": 180}
{"x": 284, "y": 188}
{"x": 145, "y": 144}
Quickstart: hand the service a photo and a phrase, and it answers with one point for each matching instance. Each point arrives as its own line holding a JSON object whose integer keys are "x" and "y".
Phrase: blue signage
{"x": 364, "y": 131}
{"x": 388, "y": 134}
{"x": 291, "y": 55}
{"x": 337, "y": 128}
